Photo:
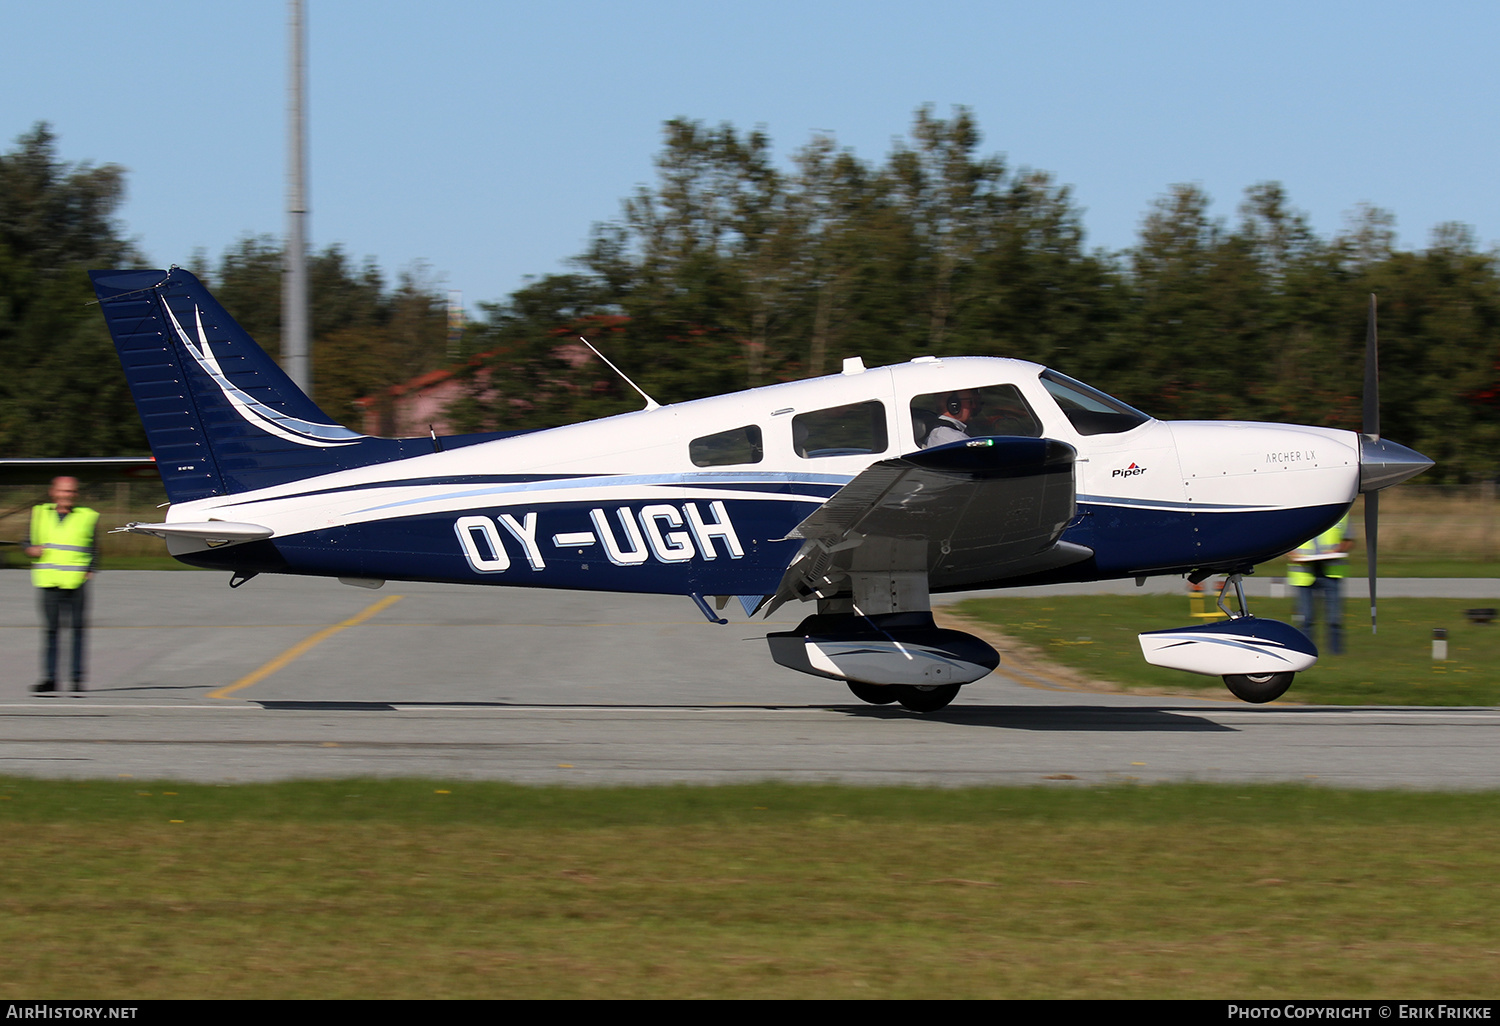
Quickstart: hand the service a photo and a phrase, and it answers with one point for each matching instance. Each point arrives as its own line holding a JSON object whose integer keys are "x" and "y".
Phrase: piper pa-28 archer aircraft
{"x": 864, "y": 492}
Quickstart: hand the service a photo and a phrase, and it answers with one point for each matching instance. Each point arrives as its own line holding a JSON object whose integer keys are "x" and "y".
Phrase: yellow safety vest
{"x": 1301, "y": 575}
{"x": 67, "y": 546}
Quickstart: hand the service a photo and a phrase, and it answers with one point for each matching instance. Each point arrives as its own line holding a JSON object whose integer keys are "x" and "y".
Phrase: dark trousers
{"x": 60, "y": 604}
{"x": 1329, "y": 593}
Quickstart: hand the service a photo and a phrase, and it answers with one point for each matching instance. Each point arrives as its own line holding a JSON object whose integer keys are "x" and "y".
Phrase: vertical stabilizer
{"x": 220, "y": 415}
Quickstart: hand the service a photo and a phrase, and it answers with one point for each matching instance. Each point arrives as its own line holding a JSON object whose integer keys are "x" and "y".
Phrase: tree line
{"x": 63, "y": 393}
{"x": 733, "y": 270}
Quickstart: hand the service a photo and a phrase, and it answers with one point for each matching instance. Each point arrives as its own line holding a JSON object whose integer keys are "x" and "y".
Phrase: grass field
{"x": 411, "y": 889}
{"x": 1096, "y": 635}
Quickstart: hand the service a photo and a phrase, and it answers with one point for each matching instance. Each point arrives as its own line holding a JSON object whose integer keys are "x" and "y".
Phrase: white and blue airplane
{"x": 864, "y": 492}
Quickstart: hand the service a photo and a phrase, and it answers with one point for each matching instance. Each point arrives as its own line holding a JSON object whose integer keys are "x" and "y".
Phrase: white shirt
{"x": 949, "y": 429}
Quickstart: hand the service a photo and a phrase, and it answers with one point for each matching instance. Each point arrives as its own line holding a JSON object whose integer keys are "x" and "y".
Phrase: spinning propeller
{"x": 1381, "y": 463}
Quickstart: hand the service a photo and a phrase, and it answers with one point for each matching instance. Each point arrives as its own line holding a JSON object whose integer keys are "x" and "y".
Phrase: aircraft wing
{"x": 962, "y": 513}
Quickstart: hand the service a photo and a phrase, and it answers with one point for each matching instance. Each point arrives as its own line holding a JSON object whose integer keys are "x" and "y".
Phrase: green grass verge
{"x": 417, "y": 889}
{"x": 1407, "y": 565}
{"x": 1097, "y": 636}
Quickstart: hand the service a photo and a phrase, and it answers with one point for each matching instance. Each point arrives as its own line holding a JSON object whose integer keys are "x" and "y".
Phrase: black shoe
{"x": 46, "y": 689}
{"x": 78, "y": 689}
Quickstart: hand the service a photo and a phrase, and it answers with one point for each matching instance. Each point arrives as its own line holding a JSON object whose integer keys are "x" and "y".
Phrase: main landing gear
{"x": 901, "y": 656}
{"x": 916, "y": 697}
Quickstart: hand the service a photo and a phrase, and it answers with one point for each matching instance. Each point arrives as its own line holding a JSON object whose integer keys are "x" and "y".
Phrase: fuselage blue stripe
{"x": 789, "y": 484}
{"x": 1174, "y": 504}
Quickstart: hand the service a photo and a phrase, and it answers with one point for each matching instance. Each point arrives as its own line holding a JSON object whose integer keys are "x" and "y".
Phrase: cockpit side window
{"x": 728, "y": 448}
{"x": 1089, "y": 410}
{"x": 942, "y": 417}
{"x": 854, "y": 430}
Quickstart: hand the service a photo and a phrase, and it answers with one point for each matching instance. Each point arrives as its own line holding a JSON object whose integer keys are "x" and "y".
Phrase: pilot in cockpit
{"x": 953, "y": 425}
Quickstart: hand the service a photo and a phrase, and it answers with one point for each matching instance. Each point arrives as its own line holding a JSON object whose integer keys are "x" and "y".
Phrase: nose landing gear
{"x": 1257, "y": 659}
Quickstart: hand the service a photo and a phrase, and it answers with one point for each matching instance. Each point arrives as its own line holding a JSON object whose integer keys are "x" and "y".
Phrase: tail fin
{"x": 220, "y": 415}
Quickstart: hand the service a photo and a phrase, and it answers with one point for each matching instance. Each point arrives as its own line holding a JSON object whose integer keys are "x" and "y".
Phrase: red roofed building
{"x": 420, "y": 406}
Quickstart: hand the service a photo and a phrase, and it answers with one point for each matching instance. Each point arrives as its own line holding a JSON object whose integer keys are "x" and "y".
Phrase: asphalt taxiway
{"x": 291, "y": 677}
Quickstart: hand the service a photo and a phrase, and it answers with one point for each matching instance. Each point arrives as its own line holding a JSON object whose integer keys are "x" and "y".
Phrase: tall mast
{"x": 296, "y": 357}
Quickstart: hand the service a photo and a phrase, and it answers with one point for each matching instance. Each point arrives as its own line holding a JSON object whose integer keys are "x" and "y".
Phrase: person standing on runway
{"x": 65, "y": 553}
{"x": 1316, "y": 570}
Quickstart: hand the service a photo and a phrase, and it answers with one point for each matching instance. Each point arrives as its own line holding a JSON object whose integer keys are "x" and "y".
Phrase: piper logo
{"x": 627, "y": 536}
{"x": 1130, "y": 471}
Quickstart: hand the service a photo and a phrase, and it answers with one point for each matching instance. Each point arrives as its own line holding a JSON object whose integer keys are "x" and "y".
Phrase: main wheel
{"x": 924, "y": 697}
{"x": 1258, "y": 688}
{"x": 875, "y": 694}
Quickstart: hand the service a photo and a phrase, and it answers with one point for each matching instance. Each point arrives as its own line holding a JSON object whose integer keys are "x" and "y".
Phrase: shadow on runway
{"x": 1011, "y": 717}
{"x": 1049, "y": 717}
{"x": 293, "y": 706}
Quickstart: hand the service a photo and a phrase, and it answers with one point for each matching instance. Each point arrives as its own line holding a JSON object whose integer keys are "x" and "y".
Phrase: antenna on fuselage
{"x": 651, "y": 404}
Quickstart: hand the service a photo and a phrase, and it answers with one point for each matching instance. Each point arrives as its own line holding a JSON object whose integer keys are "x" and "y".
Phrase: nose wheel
{"x": 1258, "y": 688}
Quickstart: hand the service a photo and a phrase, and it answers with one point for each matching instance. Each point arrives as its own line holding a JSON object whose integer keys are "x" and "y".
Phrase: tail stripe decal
{"x": 254, "y": 412}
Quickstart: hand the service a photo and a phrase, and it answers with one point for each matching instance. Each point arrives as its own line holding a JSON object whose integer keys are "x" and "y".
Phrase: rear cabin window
{"x": 727, "y": 448}
{"x": 942, "y": 417}
{"x": 854, "y": 430}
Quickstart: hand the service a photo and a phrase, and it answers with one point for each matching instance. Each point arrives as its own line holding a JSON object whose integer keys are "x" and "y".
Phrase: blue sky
{"x": 485, "y": 139}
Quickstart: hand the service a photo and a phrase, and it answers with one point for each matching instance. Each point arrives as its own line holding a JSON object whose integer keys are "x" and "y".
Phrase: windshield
{"x": 1089, "y": 410}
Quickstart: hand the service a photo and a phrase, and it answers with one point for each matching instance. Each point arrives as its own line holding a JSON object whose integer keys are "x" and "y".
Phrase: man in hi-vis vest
{"x": 1316, "y": 569}
{"x": 64, "y": 551}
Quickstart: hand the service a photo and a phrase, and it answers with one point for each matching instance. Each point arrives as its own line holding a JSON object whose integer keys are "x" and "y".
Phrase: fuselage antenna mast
{"x": 651, "y": 404}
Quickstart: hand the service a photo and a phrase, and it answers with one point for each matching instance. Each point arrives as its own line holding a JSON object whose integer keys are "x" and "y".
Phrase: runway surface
{"x": 290, "y": 677}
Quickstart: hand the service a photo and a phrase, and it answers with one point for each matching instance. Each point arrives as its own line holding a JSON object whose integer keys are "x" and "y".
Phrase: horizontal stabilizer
{"x": 214, "y": 534}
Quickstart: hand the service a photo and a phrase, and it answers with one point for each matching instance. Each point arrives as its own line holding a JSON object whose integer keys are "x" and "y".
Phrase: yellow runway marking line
{"x": 301, "y": 648}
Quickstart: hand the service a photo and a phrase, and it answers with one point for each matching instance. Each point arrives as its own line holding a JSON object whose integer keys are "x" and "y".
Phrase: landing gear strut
{"x": 1256, "y": 688}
